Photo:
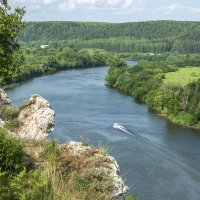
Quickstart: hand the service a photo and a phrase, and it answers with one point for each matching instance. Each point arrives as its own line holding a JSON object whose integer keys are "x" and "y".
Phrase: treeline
{"x": 141, "y": 37}
{"x": 145, "y": 82}
{"x": 180, "y": 60}
{"x": 41, "y": 61}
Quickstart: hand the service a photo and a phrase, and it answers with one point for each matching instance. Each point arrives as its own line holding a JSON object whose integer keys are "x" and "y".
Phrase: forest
{"x": 37, "y": 62}
{"x": 171, "y": 90}
{"x": 141, "y": 37}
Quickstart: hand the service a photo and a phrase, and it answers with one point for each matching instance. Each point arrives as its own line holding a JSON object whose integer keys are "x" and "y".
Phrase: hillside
{"x": 150, "y": 36}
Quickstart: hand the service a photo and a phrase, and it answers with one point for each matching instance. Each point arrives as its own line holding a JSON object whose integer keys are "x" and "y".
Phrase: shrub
{"x": 130, "y": 197}
{"x": 52, "y": 151}
{"x": 9, "y": 113}
{"x": 12, "y": 157}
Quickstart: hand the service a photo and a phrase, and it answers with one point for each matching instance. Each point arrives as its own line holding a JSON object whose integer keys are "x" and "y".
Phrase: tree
{"x": 10, "y": 53}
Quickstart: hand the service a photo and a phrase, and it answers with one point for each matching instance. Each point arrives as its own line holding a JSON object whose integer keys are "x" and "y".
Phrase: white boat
{"x": 119, "y": 127}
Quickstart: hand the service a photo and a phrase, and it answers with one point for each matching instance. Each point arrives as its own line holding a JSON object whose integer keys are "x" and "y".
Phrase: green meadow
{"x": 183, "y": 76}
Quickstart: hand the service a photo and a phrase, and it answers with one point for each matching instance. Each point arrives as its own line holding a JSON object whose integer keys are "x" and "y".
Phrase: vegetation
{"x": 42, "y": 61}
{"x": 140, "y": 37}
{"x": 182, "y": 77}
{"x": 43, "y": 170}
{"x": 10, "y": 54}
{"x": 164, "y": 87}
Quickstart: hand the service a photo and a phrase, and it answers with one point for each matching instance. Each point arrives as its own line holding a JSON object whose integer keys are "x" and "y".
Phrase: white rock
{"x": 4, "y": 98}
{"x": 37, "y": 118}
{"x": 113, "y": 170}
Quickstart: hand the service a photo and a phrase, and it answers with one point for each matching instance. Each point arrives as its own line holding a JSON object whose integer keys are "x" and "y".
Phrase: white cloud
{"x": 48, "y": 2}
{"x": 34, "y": 2}
{"x": 181, "y": 8}
{"x": 70, "y": 5}
{"x": 128, "y": 4}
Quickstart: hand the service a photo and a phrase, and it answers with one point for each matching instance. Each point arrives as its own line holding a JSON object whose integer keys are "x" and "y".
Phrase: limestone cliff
{"x": 4, "y": 98}
{"x": 37, "y": 118}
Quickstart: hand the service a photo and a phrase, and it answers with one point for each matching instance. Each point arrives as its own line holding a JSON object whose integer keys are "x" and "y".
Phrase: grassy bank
{"x": 174, "y": 92}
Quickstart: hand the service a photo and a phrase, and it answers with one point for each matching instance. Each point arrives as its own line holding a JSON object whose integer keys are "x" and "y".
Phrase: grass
{"x": 182, "y": 77}
{"x": 44, "y": 170}
{"x": 9, "y": 115}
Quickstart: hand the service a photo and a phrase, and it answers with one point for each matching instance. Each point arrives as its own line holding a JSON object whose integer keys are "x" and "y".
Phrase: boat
{"x": 119, "y": 127}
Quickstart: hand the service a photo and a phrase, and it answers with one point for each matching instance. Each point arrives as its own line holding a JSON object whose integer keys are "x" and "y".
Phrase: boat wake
{"x": 122, "y": 128}
{"x": 155, "y": 151}
{"x": 125, "y": 130}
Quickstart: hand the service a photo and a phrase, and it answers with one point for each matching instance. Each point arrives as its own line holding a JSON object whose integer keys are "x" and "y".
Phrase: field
{"x": 183, "y": 76}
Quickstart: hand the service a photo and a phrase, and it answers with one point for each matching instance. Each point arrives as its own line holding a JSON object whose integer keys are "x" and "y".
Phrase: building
{"x": 44, "y": 46}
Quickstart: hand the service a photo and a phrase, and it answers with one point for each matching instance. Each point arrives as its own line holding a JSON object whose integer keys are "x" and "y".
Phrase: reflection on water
{"x": 159, "y": 161}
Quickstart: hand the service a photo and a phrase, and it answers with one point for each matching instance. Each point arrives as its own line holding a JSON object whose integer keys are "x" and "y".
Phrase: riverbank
{"x": 154, "y": 84}
{"x": 40, "y": 62}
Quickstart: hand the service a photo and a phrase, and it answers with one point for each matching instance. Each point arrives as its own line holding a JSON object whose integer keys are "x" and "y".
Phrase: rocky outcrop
{"x": 37, "y": 118}
{"x": 105, "y": 162}
{"x": 4, "y": 100}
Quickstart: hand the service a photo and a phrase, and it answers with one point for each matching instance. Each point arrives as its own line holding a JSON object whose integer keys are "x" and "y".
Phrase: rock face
{"x": 4, "y": 100}
{"x": 37, "y": 118}
{"x": 107, "y": 163}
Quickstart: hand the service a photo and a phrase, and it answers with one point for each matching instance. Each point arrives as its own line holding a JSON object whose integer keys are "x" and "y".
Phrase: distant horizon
{"x": 126, "y": 22}
{"x": 111, "y": 11}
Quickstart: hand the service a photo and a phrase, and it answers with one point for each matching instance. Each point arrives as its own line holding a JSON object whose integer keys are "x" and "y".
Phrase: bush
{"x": 130, "y": 197}
{"x": 12, "y": 157}
{"x": 9, "y": 113}
{"x": 52, "y": 151}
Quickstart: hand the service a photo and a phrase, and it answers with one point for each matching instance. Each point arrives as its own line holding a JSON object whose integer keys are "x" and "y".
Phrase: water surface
{"x": 159, "y": 161}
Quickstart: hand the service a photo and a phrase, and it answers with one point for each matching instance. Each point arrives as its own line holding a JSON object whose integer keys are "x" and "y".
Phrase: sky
{"x": 109, "y": 10}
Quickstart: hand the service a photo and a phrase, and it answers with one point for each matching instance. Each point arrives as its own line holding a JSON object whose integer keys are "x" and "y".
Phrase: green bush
{"x": 9, "y": 113}
{"x": 12, "y": 125}
{"x": 12, "y": 157}
{"x": 130, "y": 197}
{"x": 52, "y": 151}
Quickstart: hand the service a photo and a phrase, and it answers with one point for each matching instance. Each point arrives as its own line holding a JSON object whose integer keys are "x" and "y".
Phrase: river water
{"x": 158, "y": 160}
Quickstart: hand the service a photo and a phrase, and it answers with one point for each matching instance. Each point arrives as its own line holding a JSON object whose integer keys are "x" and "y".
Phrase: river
{"x": 158, "y": 160}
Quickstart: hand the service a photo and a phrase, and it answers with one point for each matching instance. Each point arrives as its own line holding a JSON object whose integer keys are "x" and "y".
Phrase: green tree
{"x": 10, "y": 53}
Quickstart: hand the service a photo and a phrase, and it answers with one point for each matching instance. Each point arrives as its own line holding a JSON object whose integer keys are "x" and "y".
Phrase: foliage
{"x": 172, "y": 91}
{"x": 43, "y": 170}
{"x": 12, "y": 158}
{"x": 10, "y": 53}
{"x": 9, "y": 115}
{"x": 9, "y": 112}
{"x": 52, "y": 151}
{"x": 182, "y": 77}
{"x": 41, "y": 61}
{"x": 140, "y": 37}
{"x": 130, "y": 197}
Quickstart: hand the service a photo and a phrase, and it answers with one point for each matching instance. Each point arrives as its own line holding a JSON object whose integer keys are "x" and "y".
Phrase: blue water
{"x": 159, "y": 161}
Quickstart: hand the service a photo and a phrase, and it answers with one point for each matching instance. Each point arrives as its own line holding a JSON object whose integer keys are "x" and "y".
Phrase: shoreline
{"x": 157, "y": 112}
{"x": 23, "y": 80}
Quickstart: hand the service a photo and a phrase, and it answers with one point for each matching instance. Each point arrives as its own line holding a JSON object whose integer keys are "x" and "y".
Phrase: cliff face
{"x": 101, "y": 162}
{"x": 37, "y": 119}
{"x": 4, "y": 100}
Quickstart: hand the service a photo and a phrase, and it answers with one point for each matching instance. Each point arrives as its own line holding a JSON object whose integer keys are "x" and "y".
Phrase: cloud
{"x": 70, "y": 5}
{"x": 48, "y": 2}
{"x": 181, "y": 8}
{"x": 34, "y": 2}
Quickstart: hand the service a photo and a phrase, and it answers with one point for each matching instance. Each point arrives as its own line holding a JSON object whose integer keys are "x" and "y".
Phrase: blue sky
{"x": 109, "y": 10}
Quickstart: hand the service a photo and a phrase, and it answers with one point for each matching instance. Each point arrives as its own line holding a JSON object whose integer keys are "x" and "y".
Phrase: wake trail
{"x": 156, "y": 151}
